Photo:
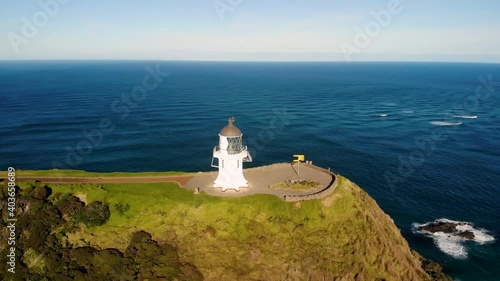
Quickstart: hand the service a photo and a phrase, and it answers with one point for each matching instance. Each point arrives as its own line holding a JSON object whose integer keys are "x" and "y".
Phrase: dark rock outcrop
{"x": 446, "y": 227}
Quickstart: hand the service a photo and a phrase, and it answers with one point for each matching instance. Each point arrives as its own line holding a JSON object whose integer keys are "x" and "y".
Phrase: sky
{"x": 251, "y": 30}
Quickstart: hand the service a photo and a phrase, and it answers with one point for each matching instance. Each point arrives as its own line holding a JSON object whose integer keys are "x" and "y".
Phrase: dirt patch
{"x": 82, "y": 197}
{"x": 255, "y": 257}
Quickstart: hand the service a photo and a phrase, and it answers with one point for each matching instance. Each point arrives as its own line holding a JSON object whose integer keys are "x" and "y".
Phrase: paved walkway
{"x": 260, "y": 178}
{"x": 181, "y": 180}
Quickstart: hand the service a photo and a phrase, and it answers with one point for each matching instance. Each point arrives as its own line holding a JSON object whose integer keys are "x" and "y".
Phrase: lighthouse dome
{"x": 230, "y": 130}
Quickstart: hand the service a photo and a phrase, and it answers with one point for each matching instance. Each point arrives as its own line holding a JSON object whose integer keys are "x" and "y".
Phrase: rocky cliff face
{"x": 344, "y": 236}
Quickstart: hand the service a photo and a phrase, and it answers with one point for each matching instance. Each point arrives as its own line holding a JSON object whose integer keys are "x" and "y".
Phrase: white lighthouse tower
{"x": 230, "y": 154}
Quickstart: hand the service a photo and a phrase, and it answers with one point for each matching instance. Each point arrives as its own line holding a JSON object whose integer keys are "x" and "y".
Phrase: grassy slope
{"x": 80, "y": 173}
{"x": 258, "y": 237}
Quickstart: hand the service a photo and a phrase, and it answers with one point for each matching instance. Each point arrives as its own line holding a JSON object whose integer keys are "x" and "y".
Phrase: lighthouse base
{"x": 231, "y": 171}
{"x": 232, "y": 185}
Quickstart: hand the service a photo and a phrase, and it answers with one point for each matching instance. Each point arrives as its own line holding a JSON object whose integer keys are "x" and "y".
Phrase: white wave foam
{"x": 452, "y": 243}
{"x": 442, "y": 123}
{"x": 465, "y": 116}
{"x": 383, "y": 115}
{"x": 481, "y": 236}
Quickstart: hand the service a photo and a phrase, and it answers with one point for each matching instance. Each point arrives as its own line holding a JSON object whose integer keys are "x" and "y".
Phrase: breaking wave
{"x": 383, "y": 115}
{"x": 465, "y": 116}
{"x": 453, "y": 243}
{"x": 442, "y": 123}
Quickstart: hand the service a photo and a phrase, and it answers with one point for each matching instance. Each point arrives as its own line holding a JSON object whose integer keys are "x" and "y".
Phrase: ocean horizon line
{"x": 247, "y": 61}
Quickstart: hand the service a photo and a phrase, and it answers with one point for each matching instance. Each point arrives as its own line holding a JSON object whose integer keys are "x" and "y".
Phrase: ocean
{"x": 423, "y": 139}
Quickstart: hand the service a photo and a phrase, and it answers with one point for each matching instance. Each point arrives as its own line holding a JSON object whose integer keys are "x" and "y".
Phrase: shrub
{"x": 70, "y": 205}
{"x": 41, "y": 192}
{"x": 122, "y": 208}
{"x": 153, "y": 261}
{"x": 94, "y": 214}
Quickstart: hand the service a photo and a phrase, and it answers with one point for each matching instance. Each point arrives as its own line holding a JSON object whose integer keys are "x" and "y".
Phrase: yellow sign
{"x": 300, "y": 157}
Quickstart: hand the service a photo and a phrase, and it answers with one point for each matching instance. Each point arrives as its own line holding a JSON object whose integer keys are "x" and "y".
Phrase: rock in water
{"x": 448, "y": 227}
{"x": 467, "y": 234}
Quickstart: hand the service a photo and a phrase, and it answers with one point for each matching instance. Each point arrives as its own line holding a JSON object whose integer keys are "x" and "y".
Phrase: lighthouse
{"x": 230, "y": 154}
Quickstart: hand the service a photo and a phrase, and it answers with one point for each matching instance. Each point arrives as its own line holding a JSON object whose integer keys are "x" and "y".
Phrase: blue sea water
{"x": 405, "y": 132}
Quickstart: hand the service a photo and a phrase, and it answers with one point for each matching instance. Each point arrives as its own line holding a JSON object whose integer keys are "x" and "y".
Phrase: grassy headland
{"x": 259, "y": 237}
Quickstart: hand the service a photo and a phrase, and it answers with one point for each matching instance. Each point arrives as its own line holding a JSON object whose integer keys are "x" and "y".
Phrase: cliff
{"x": 343, "y": 236}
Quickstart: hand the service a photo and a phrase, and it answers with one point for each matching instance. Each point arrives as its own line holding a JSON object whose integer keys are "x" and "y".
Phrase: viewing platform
{"x": 261, "y": 178}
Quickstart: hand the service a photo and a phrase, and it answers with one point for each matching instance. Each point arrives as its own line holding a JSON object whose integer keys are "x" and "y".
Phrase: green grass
{"x": 255, "y": 237}
{"x": 80, "y": 173}
{"x": 300, "y": 185}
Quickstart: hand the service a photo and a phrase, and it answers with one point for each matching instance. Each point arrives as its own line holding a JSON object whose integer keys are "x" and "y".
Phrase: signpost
{"x": 300, "y": 157}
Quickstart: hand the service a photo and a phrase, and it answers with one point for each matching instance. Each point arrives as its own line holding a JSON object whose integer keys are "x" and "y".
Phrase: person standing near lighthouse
{"x": 230, "y": 154}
